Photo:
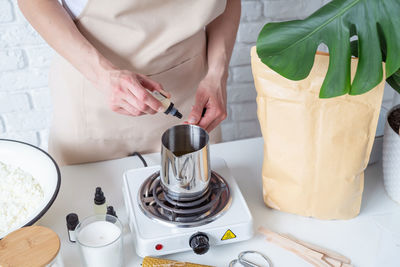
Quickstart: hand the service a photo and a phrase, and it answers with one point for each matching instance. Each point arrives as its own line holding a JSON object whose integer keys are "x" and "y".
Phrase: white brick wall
{"x": 242, "y": 119}
{"x": 25, "y": 105}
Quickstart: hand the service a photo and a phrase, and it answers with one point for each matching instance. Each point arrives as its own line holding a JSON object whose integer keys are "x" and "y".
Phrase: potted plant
{"x": 391, "y": 154}
{"x": 318, "y": 113}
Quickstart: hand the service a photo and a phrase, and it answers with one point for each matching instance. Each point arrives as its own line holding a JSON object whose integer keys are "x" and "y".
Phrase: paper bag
{"x": 315, "y": 150}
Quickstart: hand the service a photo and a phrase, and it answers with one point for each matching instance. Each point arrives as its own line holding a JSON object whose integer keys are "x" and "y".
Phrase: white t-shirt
{"x": 74, "y": 7}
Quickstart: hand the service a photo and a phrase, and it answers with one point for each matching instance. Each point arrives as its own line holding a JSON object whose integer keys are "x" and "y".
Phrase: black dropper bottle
{"x": 111, "y": 211}
{"x": 167, "y": 104}
{"x": 72, "y": 222}
{"x": 173, "y": 111}
{"x": 100, "y": 206}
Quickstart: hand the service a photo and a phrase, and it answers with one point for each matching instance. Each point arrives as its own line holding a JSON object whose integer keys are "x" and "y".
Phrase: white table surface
{"x": 371, "y": 239}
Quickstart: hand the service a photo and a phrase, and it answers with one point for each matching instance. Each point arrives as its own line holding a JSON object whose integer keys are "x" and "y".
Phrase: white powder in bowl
{"x": 20, "y": 195}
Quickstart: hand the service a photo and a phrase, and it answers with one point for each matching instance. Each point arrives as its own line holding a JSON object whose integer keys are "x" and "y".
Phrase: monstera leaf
{"x": 289, "y": 47}
{"x": 394, "y": 80}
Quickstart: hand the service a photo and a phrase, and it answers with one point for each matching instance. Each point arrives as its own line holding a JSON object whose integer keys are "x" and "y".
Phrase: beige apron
{"x": 164, "y": 39}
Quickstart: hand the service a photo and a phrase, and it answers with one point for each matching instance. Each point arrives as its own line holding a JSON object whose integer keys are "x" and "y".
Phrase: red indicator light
{"x": 159, "y": 247}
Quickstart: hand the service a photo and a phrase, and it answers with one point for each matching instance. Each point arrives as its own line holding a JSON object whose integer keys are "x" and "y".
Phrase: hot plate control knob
{"x": 199, "y": 243}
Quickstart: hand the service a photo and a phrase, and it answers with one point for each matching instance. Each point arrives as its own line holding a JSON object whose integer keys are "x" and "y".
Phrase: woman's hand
{"x": 211, "y": 95}
{"x": 128, "y": 95}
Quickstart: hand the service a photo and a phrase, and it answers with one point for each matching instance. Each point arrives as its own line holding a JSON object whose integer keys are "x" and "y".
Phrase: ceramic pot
{"x": 391, "y": 160}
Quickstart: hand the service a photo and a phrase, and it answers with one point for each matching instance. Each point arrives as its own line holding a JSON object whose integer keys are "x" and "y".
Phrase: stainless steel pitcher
{"x": 185, "y": 165}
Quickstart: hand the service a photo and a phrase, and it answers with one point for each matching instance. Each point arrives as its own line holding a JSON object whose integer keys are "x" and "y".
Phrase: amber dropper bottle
{"x": 167, "y": 104}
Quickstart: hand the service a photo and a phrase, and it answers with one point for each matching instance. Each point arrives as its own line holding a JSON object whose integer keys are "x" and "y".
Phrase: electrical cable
{"x": 140, "y": 157}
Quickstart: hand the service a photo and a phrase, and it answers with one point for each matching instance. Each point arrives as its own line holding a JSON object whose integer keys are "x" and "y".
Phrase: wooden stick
{"x": 315, "y": 255}
{"x": 327, "y": 252}
{"x": 332, "y": 262}
{"x": 311, "y": 256}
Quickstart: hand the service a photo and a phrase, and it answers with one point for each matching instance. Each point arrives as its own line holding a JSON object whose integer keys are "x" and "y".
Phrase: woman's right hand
{"x": 128, "y": 95}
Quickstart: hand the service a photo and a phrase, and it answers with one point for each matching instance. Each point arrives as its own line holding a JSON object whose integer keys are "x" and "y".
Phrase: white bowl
{"x": 40, "y": 165}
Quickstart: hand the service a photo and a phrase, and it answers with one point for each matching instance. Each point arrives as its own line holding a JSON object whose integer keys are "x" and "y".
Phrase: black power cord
{"x": 140, "y": 157}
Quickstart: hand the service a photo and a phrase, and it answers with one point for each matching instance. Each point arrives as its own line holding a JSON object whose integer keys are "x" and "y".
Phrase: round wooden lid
{"x": 29, "y": 246}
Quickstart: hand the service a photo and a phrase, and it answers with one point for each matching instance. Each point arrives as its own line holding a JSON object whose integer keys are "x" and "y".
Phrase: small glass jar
{"x": 99, "y": 238}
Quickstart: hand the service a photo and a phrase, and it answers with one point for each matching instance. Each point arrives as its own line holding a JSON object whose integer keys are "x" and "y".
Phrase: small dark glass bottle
{"x": 72, "y": 222}
{"x": 111, "y": 211}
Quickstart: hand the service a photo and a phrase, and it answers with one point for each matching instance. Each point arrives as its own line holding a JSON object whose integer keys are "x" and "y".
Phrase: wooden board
{"x": 29, "y": 246}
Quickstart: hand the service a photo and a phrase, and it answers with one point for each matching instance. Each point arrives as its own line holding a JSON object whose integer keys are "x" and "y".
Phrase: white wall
{"x": 242, "y": 119}
{"x": 25, "y": 105}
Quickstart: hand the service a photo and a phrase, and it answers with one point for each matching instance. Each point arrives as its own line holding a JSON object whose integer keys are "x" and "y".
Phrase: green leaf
{"x": 394, "y": 81}
{"x": 289, "y": 47}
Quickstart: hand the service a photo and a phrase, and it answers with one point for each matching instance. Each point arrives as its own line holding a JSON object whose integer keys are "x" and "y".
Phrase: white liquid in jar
{"x": 101, "y": 244}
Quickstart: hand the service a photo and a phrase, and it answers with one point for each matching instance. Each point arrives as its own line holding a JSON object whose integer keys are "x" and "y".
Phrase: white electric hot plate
{"x": 154, "y": 234}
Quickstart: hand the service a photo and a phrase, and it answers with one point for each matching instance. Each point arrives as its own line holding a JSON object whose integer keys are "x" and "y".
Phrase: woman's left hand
{"x": 210, "y": 95}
